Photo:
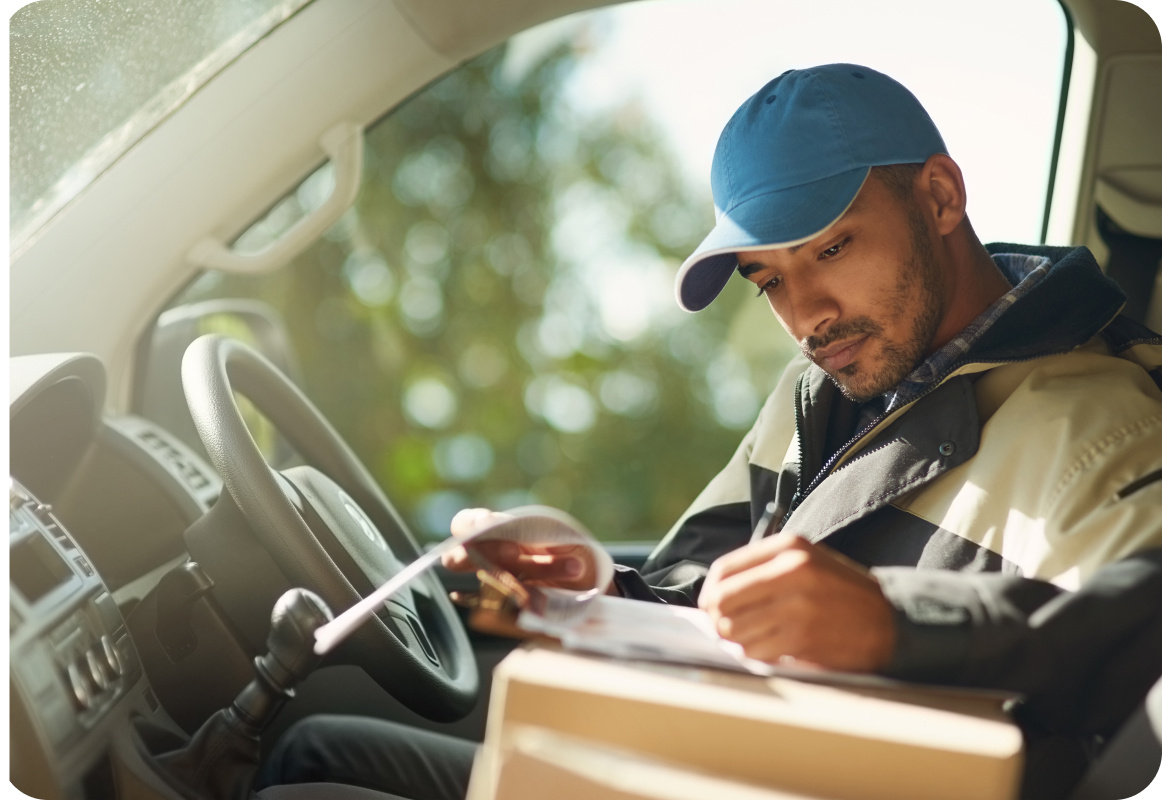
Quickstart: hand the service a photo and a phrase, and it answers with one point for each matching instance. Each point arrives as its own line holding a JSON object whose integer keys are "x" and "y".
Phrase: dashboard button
{"x": 82, "y": 686}
{"x": 112, "y": 658}
{"x": 128, "y": 657}
{"x": 97, "y": 670}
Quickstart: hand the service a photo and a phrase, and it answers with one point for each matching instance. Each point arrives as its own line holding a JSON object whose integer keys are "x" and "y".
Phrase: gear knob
{"x": 291, "y": 642}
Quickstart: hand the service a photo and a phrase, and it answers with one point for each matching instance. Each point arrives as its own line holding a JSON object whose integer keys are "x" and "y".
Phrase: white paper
{"x": 636, "y": 630}
{"x": 527, "y": 525}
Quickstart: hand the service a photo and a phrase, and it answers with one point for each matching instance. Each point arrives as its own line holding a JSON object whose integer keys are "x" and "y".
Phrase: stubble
{"x": 917, "y": 294}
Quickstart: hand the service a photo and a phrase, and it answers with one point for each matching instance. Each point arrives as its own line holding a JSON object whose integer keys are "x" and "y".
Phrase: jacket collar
{"x": 1067, "y": 308}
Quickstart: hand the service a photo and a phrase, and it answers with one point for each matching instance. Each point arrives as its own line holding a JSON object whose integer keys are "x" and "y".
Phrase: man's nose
{"x": 812, "y": 310}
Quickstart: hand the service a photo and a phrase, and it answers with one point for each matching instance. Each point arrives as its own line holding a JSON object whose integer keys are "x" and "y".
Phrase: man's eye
{"x": 770, "y": 285}
{"x": 834, "y": 250}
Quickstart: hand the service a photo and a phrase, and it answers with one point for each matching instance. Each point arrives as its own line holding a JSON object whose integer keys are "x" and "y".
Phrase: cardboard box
{"x": 545, "y": 764}
{"x": 567, "y": 726}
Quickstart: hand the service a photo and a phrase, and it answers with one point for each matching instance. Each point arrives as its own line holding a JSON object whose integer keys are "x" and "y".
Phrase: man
{"x": 966, "y": 465}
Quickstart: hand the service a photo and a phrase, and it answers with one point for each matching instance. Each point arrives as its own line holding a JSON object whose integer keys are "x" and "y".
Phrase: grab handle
{"x": 344, "y": 144}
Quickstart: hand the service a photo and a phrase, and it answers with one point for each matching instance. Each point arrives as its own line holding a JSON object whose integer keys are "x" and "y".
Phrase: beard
{"x": 917, "y": 295}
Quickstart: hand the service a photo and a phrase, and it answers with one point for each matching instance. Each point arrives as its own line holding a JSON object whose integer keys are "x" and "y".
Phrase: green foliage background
{"x": 445, "y": 287}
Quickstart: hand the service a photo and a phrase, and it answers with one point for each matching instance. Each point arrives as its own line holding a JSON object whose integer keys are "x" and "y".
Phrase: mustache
{"x": 847, "y": 329}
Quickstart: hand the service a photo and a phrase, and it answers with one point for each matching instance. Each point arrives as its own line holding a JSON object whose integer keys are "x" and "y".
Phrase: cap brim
{"x": 781, "y": 218}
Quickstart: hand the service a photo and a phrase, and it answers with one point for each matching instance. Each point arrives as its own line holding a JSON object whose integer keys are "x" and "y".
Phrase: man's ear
{"x": 941, "y": 187}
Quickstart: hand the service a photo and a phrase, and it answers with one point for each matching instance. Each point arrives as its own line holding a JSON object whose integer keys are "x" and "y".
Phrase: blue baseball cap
{"x": 792, "y": 159}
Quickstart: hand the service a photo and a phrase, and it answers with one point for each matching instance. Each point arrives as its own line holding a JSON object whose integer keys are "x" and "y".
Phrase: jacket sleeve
{"x": 1083, "y": 659}
{"x": 1073, "y": 485}
{"x": 675, "y": 571}
{"x": 721, "y": 518}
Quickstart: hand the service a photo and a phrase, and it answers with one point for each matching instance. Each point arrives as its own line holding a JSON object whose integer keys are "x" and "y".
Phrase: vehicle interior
{"x": 293, "y": 281}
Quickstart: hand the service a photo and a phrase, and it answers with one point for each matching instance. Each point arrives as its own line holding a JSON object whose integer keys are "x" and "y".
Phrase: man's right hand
{"x": 562, "y": 566}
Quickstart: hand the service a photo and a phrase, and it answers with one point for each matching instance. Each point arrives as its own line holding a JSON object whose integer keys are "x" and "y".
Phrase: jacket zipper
{"x": 801, "y": 495}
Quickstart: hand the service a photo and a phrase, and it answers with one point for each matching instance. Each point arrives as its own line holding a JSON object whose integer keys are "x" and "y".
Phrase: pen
{"x": 767, "y": 522}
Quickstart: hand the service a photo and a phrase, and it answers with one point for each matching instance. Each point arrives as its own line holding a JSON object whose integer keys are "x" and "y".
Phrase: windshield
{"x": 88, "y": 79}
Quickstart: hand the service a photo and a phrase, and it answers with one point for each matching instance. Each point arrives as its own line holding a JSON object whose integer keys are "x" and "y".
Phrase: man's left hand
{"x": 784, "y": 597}
{"x": 567, "y": 566}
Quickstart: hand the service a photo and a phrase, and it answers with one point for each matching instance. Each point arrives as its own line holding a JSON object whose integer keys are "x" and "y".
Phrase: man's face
{"x": 863, "y": 300}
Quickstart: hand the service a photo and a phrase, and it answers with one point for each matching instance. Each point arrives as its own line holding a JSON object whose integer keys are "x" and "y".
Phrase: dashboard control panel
{"x": 71, "y": 654}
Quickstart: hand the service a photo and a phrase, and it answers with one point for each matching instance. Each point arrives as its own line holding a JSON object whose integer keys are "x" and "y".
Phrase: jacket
{"x": 1012, "y": 513}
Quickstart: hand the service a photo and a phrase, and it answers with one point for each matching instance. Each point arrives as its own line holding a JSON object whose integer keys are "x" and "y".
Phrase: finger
{"x": 562, "y": 551}
{"x": 464, "y": 523}
{"x": 828, "y": 626}
{"x": 563, "y": 571}
{"x": 749, "y": 625}
{"x": 457, "y": 560}
{"x": 544, "y": 553}
{"x": 760, "y": 584}
{"x": 500, "y": 553}
{"x": 774, "y": 648}
{"x": 768, "y": 582}
{"x": 753, "y": 554}
{"x": 780, "y": 630}
{"x": 503, "y": 554}
{"x": 795, "y": 640}
{"x": 469, "y": 520}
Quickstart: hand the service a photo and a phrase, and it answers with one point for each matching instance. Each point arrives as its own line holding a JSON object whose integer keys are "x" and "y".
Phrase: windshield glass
{"x": 88, "y": 79}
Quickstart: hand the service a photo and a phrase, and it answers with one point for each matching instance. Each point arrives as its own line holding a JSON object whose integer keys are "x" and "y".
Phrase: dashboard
{"x": 72, "y": 661}
{"x": 120, "y": 645}
{"x": 97, "y": 510}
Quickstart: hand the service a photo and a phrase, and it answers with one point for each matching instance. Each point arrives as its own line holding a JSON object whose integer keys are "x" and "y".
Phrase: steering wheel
{"x": 329, "y": 528}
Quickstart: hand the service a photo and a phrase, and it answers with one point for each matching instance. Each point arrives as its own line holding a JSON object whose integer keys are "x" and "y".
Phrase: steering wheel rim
{"x": 435, "y": 674}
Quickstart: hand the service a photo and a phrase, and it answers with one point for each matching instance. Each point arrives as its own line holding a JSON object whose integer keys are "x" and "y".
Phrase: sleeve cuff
{"x": 933, "y": 620}
{"x": 630, "y": 583}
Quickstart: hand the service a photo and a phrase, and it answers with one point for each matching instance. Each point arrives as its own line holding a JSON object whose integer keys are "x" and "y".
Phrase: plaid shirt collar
{"x": 1023, "y": 273}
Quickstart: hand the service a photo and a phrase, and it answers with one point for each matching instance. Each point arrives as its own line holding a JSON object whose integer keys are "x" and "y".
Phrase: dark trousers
{"x": 372, "y": 753}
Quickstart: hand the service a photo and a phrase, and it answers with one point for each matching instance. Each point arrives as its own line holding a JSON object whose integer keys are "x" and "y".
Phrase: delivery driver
{"x": 965, "y": 467}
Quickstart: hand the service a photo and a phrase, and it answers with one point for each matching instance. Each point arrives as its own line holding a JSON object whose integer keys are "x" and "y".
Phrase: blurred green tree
{"x": 493, "y": 324}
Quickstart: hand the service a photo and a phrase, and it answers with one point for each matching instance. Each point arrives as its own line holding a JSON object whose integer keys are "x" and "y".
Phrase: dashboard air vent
{"x": 186, "y": 470}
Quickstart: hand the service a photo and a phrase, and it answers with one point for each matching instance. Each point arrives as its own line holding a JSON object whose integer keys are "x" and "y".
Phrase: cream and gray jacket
{"x": 1012, "y": 513}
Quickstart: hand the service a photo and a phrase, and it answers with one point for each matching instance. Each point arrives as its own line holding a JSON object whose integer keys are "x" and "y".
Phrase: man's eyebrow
{"x": 746, "y": 270}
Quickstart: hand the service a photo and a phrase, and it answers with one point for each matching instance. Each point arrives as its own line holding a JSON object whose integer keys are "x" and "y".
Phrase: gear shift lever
{"x": 222, "y": 758}
{"x": 290, "y": 656}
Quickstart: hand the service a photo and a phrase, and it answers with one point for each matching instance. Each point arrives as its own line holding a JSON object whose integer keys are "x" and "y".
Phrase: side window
{"x": 493, "y": 323}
